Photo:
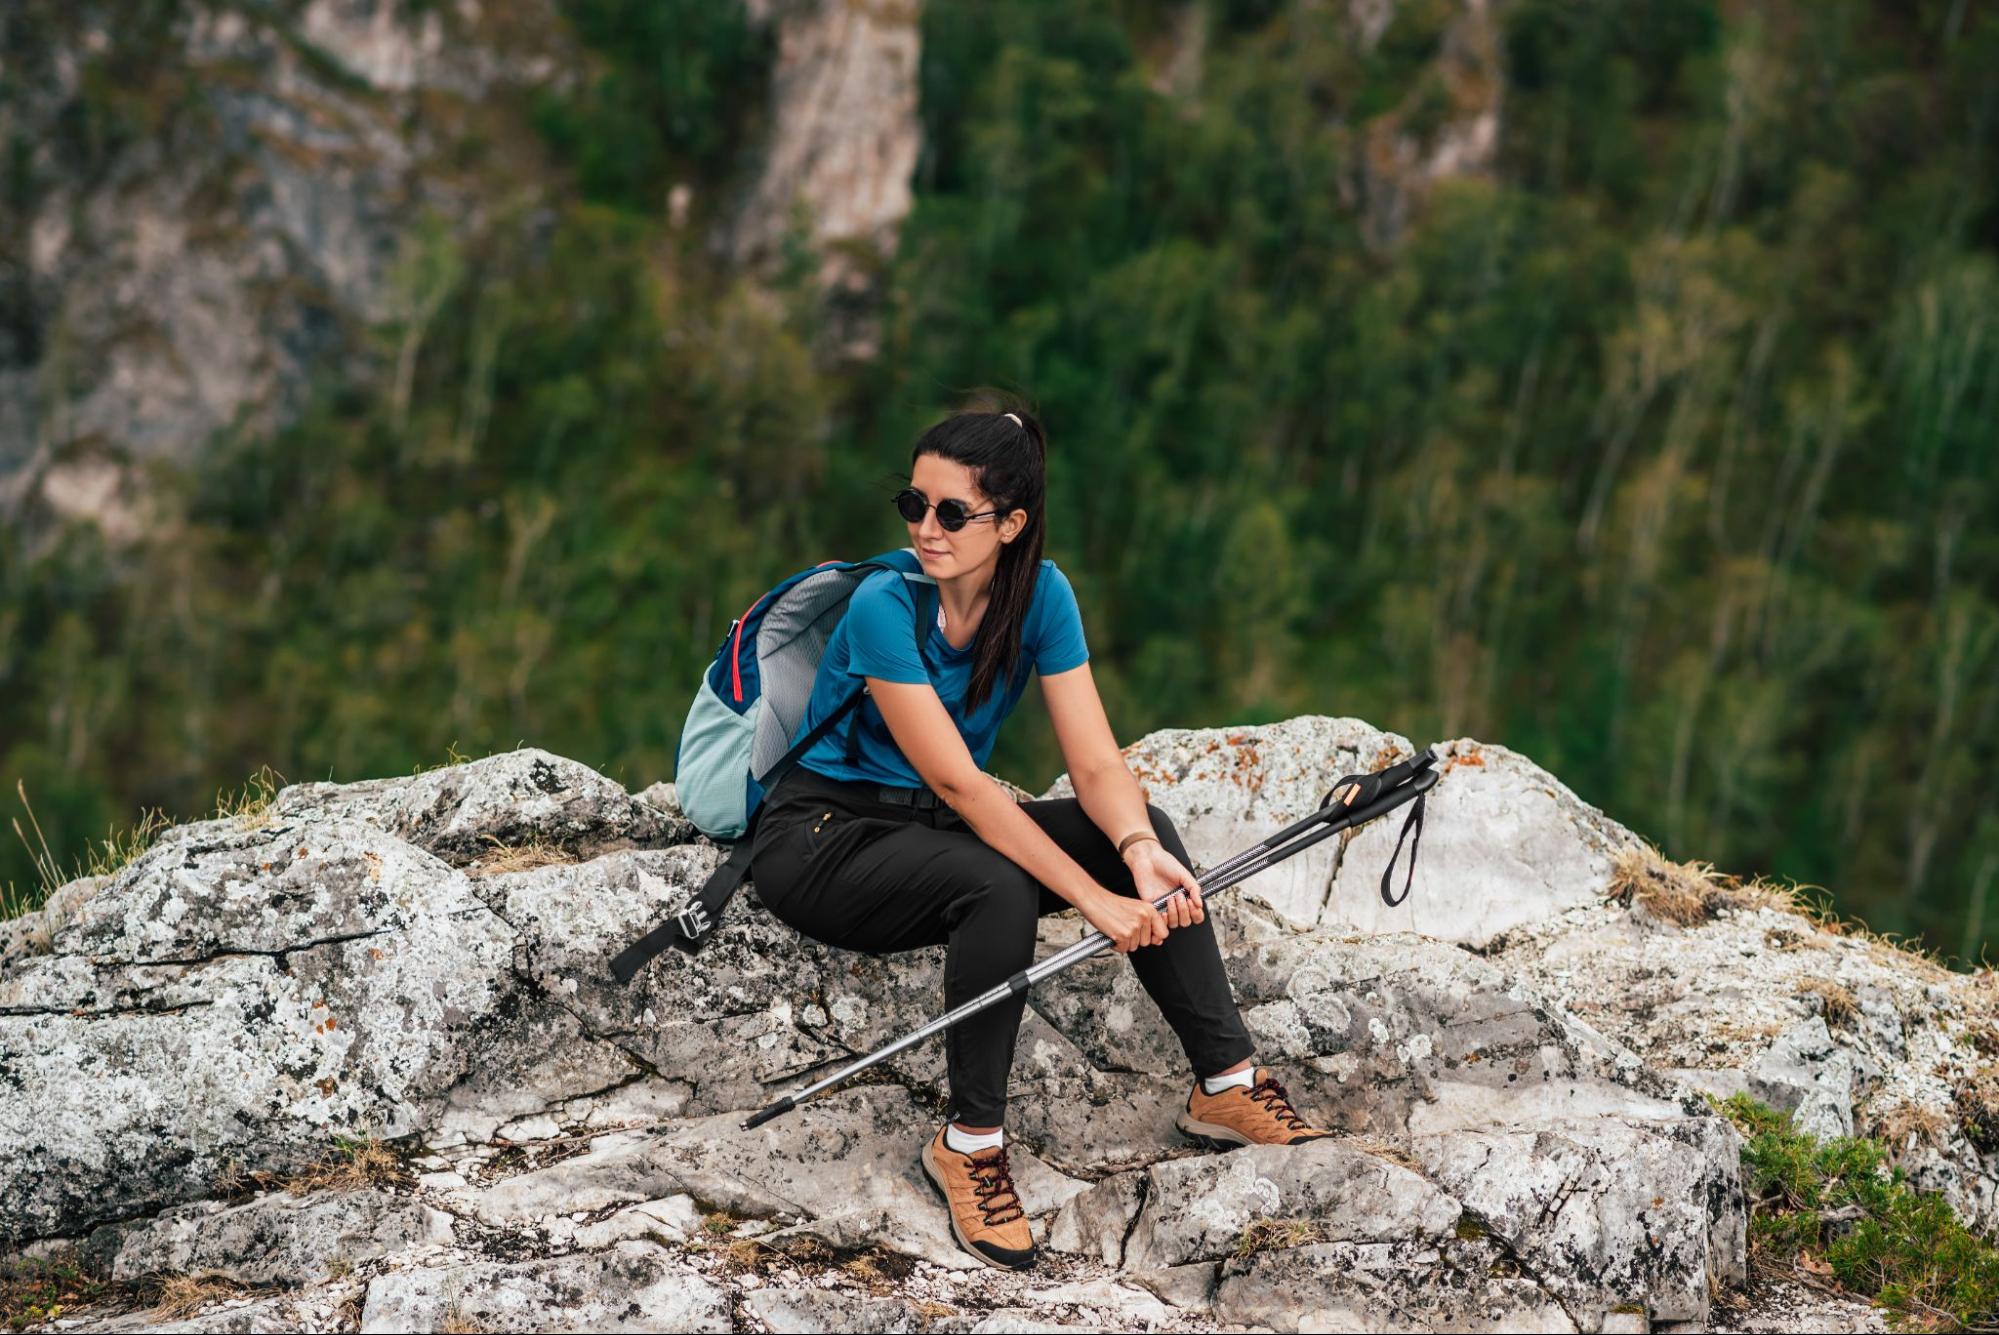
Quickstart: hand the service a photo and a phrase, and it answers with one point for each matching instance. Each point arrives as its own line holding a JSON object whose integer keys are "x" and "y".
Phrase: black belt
{"x": 922, "y": 799}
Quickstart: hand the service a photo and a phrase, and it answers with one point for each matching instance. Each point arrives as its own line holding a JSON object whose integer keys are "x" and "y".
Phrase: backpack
{"x": 749, "y": 702}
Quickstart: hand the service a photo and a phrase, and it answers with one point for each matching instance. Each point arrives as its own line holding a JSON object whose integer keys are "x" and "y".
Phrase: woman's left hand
{"x": 1155, "y": 872}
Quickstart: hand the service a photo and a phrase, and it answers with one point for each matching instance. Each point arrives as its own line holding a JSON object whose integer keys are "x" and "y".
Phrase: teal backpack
{"x": 736, "y": 743}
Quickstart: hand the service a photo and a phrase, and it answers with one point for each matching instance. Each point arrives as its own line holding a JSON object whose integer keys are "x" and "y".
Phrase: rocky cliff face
{"x": 1515, "y": 1061}
{"x": 202, "y": 273}
{"x": 197, "y": 274}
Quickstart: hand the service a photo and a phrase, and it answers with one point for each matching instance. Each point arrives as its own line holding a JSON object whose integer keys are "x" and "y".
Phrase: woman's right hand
{"x": 1128, "y": 922}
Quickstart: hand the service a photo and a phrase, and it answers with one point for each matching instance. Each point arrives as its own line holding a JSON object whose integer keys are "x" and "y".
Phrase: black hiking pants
{"x": 879, "y": 877}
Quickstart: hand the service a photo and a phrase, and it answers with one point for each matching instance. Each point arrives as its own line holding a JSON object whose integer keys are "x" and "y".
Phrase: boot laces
{"x": 992, "y": 1185}
{"x": 1272, "y": 1096}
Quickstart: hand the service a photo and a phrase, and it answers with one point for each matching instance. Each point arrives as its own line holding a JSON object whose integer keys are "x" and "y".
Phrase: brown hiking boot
{"x": 1258, "y": 1115}
{"x": 986, "y": 1215}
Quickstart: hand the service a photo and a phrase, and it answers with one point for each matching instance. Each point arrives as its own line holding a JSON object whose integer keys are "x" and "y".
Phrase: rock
{"x": 1606, "y": 1197}
{"x": 521, "y": 797}
{"x": 1095, "y": 1221}
{"x": 1198, "y": 1209}
{"x": 806, "y": 1311}
{"x": 1180, "y": 1285}
{"x": 262, "y": 220}
{"x": 663, "y": 796}
{"x": 846, "y": 135}
{"x": 237, "y": 1316}
{"x": 1714, "y": 995}
{"x": 232, "y": 998}
{"x": 1521, "y": 1141}
{"x": 1806, "y": 1074}
{"x": 276, "y": 1239}
{"x": 631, "y": 1287}
{"x": 1385, "y": 1286}
{"x": 1504, "y": 844}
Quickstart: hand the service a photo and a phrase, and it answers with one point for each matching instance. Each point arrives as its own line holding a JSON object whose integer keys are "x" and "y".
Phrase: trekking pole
{"x": 1381, "y": 793}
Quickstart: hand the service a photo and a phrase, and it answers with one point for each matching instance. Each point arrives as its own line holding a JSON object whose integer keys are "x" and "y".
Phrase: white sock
{"x": 1215, "y": 1084}
{"x": 964, "y": 1142}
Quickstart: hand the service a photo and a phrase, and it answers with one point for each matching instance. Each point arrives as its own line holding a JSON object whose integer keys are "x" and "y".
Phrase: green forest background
{"x": 1666, "y": 457}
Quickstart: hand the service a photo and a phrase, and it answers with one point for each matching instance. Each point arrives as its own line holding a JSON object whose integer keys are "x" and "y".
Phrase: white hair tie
{"x": 1017, "y": 422}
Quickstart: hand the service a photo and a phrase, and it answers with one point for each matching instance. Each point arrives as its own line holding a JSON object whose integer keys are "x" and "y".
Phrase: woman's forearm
{"x": 1111, "y": 797}
{"x": 998, "y": 820}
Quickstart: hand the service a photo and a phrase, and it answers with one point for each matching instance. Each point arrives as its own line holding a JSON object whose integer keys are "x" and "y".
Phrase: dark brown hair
{"x": 1009, "y": 465}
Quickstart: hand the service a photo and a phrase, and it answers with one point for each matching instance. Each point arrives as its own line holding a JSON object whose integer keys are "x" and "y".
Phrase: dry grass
{"x": 249, "y": 805}
{"x": 1977, "y": 1100}
{"x": 882, "y": 1272}
{"x": 1381, "y": 1149}
{"x": 1839, "y": 1003}
{"x": 749, "y": 1253}
{"x": 1902, "y": 1126}
{"x": 1264, "y": 1235}
{"x": 355, "y": 1164}
{"x": 184, "y": 1295}
{"x": 1686, "y": 894}
{"x": 517, "y": 857}
{"x": 457, "y": 1321}
{"x": 451, "y": 757}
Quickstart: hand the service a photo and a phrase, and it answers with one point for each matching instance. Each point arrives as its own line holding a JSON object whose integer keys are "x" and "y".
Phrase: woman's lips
{"x": 927, "y": 552}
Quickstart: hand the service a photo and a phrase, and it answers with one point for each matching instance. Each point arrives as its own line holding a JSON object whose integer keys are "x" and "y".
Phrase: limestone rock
{"x": 463, "y": 812}
{"x": 232, "y": 998}
{"x": 1521, "y": 1144}
{"x": 630, "y": 1287}
{"x": 1806, "y": 1074}
{"x": 277, "y": 1239}
{"x": 1504, "y": 844}
{"x": 1386, "y": 1286}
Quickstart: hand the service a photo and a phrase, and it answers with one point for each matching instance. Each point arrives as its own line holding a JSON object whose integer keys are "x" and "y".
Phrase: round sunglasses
{"x": 951, "y": 514}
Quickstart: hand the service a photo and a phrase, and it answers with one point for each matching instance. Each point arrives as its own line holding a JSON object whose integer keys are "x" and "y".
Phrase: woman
{"x": 955, "y": 860}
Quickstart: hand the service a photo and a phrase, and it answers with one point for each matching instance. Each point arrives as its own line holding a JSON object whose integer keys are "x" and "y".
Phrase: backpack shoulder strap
{"x": 926, "y": 616}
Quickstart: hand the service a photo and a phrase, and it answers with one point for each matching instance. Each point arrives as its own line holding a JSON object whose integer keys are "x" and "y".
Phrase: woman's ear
{"x": 1015, "y": 522}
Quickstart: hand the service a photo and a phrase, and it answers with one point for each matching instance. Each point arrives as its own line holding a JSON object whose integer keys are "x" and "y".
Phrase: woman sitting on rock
{"x": 891, "y": 837}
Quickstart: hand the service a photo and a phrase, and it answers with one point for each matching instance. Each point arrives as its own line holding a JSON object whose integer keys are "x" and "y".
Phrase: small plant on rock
{"x": 1837, "y": 1205}
{"x": 37, "y": 1290}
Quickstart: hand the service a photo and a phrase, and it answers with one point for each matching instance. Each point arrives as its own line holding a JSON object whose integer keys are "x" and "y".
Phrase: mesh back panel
{"x": 794, "y": 635}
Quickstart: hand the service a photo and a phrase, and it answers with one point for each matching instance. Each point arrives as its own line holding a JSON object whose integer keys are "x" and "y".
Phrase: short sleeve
{"x": 881, "y": 631}
{"x": 1060, "y": 646}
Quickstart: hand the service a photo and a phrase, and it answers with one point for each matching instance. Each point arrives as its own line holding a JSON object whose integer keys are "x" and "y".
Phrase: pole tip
{"x": 778, "y": 1109}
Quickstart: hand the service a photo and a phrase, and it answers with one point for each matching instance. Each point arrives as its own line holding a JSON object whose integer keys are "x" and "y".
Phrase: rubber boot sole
{"x": 931, "y": 1175}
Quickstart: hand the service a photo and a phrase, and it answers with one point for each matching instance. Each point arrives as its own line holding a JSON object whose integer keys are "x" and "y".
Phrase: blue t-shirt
{"x": 876, "y": 637}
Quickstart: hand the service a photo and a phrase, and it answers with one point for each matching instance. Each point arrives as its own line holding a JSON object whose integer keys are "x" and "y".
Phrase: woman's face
{"x": 944, "y": 554}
